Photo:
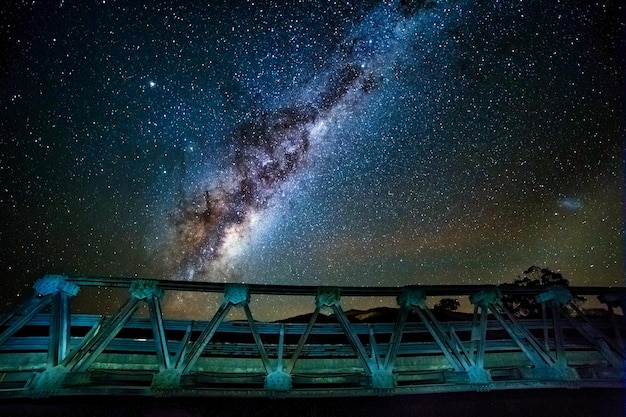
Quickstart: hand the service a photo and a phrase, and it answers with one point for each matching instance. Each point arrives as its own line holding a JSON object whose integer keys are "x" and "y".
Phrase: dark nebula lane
{"x": 269, "y": 148}
{"x": 267, "y": 152}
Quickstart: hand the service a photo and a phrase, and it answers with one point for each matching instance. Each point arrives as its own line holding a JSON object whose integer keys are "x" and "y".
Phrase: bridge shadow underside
{"x": 536, "y": 403}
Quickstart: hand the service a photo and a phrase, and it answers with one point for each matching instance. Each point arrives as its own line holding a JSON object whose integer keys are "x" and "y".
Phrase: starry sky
{"x": 325, "y": 142}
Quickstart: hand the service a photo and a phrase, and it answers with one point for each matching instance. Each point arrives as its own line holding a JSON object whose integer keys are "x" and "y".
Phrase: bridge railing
{"x": 45, "y": 349}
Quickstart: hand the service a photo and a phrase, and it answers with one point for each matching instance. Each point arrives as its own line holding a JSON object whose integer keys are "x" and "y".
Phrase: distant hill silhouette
{"x": 390, "y": 315}
{"x": 379, "y": 315}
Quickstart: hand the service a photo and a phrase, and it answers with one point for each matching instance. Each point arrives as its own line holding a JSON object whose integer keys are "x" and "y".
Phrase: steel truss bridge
{"x": 47, "y": 350}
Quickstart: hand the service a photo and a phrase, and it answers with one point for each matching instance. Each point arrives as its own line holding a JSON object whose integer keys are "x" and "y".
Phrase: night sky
{"x": 325, "y": 142}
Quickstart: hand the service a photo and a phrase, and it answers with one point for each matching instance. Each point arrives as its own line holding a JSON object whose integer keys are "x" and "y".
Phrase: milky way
{"x": 312, "y": 143}
{"x": 268, "y": 151}
{"x": 270, "y": 147}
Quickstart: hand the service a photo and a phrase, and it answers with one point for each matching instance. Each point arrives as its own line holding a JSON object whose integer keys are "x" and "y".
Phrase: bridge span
{"x": 47, "y": 349}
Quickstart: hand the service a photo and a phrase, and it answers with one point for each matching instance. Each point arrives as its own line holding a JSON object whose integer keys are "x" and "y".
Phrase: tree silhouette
{"x": 525, "y": 305}
{"x": 447, "y": 304}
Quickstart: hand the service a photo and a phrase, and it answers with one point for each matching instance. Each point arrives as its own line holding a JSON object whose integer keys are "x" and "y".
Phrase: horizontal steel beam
{"x": 348, "y": 291}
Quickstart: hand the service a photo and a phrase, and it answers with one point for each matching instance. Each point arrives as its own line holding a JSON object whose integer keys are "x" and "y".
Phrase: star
{"x": 360, "y": 143}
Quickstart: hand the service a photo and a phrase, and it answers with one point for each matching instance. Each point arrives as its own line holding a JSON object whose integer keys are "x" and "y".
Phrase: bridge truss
{"x": 48, "y": 350}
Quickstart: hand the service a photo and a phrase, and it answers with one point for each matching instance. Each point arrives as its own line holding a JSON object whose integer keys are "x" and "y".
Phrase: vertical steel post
{"x": 616, "y": 332}
{"x": 544, "y": 325}
{"x": 558, "y": 333}
{"x": 612, "y": 301}
{"x": 91, "y": 348}
{"x": 60, "y": 325}
{"x": 281, "y": 346}
{"x": 479, "y": 332}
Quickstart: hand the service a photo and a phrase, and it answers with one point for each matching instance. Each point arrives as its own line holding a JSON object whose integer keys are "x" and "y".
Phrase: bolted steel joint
{"x": 141, "y": 289}
{"x": 411, "y": 297}
{"x": 479, "y": 375}
{"x": 558, "y": 293}
{"x": 236, "y": 294}
{"x": 328, "y": 296}
{"x": 384, "y": 379}
{"x": 51, "y": 284}
{"x": 278, "y": 381}
{"x": 48, "y": 382}
{"x": 487, "y": 297}
{"x": 168, "y": 379}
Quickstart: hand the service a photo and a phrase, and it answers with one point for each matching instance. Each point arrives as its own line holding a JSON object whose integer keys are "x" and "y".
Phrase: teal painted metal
{"x": 156, "y": 355}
